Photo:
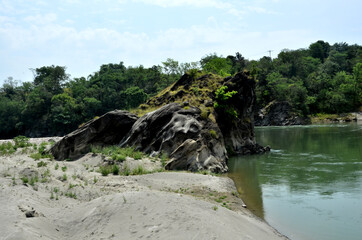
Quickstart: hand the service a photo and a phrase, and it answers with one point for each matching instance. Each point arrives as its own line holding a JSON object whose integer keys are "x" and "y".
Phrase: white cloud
{"x": 6, "y": 6}
{"x": 40, "y": 19}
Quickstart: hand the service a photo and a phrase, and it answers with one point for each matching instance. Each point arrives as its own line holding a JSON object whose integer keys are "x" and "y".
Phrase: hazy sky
{"x": 82, "y": 35}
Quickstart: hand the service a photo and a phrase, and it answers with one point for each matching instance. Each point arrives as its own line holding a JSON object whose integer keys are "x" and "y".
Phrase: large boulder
{"x": 193, "y": 142}
{"x": 279, "y": 114}
{"x": 108, "y": 129}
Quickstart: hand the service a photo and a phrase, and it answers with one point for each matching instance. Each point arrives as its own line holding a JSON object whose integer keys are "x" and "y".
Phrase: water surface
{"x": 310, "y": 185}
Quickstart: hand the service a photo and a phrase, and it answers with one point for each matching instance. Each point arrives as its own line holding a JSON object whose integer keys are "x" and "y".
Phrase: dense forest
{"x": 322, "y": 78}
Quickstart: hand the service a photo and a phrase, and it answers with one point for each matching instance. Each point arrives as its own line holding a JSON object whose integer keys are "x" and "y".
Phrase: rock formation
{"x": 185, "y": 125}
{"x": 192, "y": 142}
{"x": 108, "y": 129}
{"x": 238, "y": 130}
{"x": 279, "y": 114}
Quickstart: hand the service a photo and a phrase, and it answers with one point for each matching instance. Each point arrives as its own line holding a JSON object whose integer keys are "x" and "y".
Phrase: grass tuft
{"x": 116, "y": 153}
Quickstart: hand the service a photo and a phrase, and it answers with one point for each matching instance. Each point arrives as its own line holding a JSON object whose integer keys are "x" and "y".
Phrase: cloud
{"x": 6, "y": 6}
{"x": 40, "y": 19}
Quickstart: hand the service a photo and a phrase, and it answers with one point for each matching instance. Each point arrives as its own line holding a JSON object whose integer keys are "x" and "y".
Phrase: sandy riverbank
{"x": 71, "y": 200}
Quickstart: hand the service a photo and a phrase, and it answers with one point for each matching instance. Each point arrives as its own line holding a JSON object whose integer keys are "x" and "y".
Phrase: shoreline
{"x": 87, "y": 205}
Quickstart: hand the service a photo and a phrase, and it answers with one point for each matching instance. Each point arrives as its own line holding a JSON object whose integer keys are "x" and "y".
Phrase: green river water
{"x": 310, "y": 185}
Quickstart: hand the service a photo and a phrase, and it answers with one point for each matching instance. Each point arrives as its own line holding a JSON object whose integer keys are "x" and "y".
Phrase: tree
{"x": 357, "y": 75}
{"x": 221, "y": 66}
{"x": 64, "y": 113}
{"x": 133, "y": 97}
{"x": 238, "y": 63}
{"x": 51, "y": 78}
{"x": 319, "y": 49}
{"x": 171, "y": 67}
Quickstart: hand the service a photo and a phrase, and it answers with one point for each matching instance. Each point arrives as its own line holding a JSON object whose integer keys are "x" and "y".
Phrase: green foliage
{"x": 31, "y": 181}
{"x": 41, "y": 152}
{"x": 126, "y": 170}
{"x": 71, "y": 195}
{"x": 25, "y": 180}
{"x": 117, "y": 153}
{"x": 41, "y": 164}
{"x": 319, "y": 78}
{"x": 139, "y": 170}
{"x": 7, "y": 148}
{"x": 115, "y": 169}
{"x": 217, "y": 65}
{"x": 222, "y": 100}
{"x": 54, "y": 104}
{"x": 213, "y": 133}
{"x": 21, "y": 141}
{"x": 64, "y": 177}
{"x": 105, "y": 170}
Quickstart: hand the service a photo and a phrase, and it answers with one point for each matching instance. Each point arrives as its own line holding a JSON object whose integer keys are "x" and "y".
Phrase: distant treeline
{"x": 321, "y": 78}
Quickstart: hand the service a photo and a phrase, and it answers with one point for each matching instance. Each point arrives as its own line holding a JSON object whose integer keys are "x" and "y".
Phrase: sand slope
{"x": 166, "y": 205}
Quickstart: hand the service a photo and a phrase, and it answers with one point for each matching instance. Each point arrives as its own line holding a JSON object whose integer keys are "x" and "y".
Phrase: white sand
{"x": 167, "y": 205}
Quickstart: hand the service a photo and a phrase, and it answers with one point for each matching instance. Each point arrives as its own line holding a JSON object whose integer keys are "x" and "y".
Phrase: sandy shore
{"x": 71, "y": 200}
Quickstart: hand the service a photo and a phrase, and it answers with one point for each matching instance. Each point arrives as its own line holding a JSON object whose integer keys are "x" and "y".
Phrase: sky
{"x": 82, "y": 35}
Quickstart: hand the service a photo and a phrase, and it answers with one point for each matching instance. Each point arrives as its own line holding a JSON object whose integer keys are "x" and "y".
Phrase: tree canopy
{"x": 320, "y": 78}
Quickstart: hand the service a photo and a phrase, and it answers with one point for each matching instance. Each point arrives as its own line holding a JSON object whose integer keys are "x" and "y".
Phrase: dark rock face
{"x": 192, "y": 142}
{"x": 239, "y": 132}
{"x": 108, "y": 129}
{"x": 278, "y": 114}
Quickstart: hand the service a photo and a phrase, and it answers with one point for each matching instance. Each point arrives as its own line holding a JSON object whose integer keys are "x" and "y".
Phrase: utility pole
{"x": 269, "y": 51}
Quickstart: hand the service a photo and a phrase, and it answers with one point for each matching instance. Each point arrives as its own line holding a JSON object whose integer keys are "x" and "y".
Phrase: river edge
{"x": 87, "y": 205}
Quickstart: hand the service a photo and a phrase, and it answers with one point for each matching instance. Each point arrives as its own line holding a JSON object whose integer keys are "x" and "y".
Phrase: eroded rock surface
{"x": 192, "y": 142}
{"x": 279, "y": 114}
{"x": 108, "y": 129}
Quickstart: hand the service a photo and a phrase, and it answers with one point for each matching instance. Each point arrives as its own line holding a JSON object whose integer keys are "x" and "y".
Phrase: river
{"x": 310, "y": 185}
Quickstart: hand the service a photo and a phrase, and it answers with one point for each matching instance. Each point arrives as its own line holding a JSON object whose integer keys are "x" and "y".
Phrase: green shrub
{"x": 139, "y": 170}
{"x": 119, "y": 157}
{"x": 117, "y": 153}
{"x": 24, "y": 179}
{"x": 34, "y": 180}
{"x": 21, "y": 141}
{"x": 115, "y": 169}
{"x": 105, "y": 170}
{"x": 7, "y": 148}
{"x": 65, "y": 177}
{"x": 222, "y": 101}
{"x": 42, "y": 164}
{"x": 35, "y": 156}
{"x": 137, "y": 155}
{"x": 126, "y": 170}
{"x": 41, "y": 152}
